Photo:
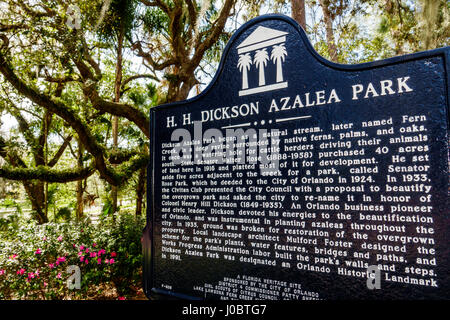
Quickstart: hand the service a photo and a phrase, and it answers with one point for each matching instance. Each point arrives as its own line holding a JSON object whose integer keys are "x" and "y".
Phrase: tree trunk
{"x": 40, "y": 214}
{"x": 45, "y": 148}
{"x": 332, "y": 51}
{"x": 179, "y": 89}
{"x": 428, "y": 19}
{"x": 140, "y": 191}
{"x": 80, "y": 190}
{"x": 115, "y": 124}
{"x": 298, "y": 12}
{"x": 39, "y": 190}
{"x": 37, "y": 201}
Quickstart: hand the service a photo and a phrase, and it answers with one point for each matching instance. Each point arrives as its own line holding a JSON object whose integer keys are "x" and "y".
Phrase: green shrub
{"x": 34, "y": 258}
{"x": 63, "y": 214}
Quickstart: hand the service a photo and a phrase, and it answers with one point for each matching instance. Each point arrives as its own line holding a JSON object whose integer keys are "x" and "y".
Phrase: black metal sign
{"x": 291, "y": 177}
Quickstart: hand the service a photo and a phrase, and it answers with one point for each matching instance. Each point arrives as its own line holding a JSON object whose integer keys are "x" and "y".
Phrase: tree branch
{"x": 192, "y": 10}
{"x": 60, "y": 151}
{"x": 214, "y": 33}
{"x": 58, "y": 108}
{"x": 121, "y": 156}
{"x": 138, "y": 76}
{"x": 118, "y": 109}
{"x": 10, "y": 156}
{"x": 9, "y": 27}
{"x": 157, "y": 3}
{"x": 126, "y": 169}
{"x": 44, "y": 173}
{"x": 148, "y": 57}
{"x": 24, "y": 127}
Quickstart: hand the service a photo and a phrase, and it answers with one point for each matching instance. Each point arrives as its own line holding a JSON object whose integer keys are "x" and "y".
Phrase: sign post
{"x": 291, "y": 177}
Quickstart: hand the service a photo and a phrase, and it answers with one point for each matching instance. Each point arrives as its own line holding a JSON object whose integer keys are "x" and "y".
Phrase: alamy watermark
{"x": 373, "y": 277}
{"x": 74, "y": 280}
{"x": 238, "y": 146}
{"x": 73, "y": 17}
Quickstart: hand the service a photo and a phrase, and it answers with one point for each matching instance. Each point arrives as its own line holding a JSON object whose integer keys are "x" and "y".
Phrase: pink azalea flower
{"x": 31, "y": 275}
{"x": 94, "y": 244}
{"x": 45, "y": 284}
{"x": 111, "y": 261}
{"x": 86, "y": 261}
{"x": 59, "y": 238}
{"x": 61, "y": 259}
{"x": 13, "y": 257}
{"x": 121, "y": 298}
{"x": 21, "y": 271}
{"x": 37, "y": 273}
{"x": 81, "y": 258}
{"x": 106, "y": 261}
{"x": 101, "y": 251}
{"x": 57, "y": 262}
{"x": 93, "y": 254}
{"x": 87, "y": 250}
{"x": 99, "y": 260}
{"x": 44, "y": 238}
{"x": 2, "y": 272}
{"x": 113, "y": 254}
{"x": 58, "y": 275}
{"x": 51, "y": 265}
{"x": 81, "y": 247}
{"x": 38, "y": 251}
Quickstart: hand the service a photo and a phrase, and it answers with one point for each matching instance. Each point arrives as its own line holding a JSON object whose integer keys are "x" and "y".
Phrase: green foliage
{"x": 107, "y": 206}
{"x": 121, "y": 15}
{"x": 155, "y": 21}
{"x": 124, "y": 237}
{"x": 137, "y": 98}
{"x": 11, "y": 203}
{"x": 108, "y": 255}
{"x": 63, "y": 214}
{"x": 8, "y": 222}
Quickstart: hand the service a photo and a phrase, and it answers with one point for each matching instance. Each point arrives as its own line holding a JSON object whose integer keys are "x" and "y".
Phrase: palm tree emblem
{"x": 261, "y": 58}
{"x": 278, "y": 55}
{"x": 244, "y": 63}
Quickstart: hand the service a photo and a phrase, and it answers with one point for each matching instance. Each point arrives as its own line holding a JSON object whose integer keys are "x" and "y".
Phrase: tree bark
{"x": 40, "y": 188}
{"x": 38, "y": 191}
{"x": 298, "y": 12}
{"x": 115, "y": 124}
{"x": 328, "y": 19}
{"x": 80, "y": 190}
{"x": 140, "y": 191}
{"x": 35, "y": 194}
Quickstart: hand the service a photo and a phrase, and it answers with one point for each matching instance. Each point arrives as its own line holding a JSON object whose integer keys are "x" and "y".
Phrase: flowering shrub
{"x": 34, "y": 259}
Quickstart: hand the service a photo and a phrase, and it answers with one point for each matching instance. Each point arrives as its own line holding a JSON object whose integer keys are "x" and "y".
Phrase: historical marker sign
{"x": 292, "y": 177}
